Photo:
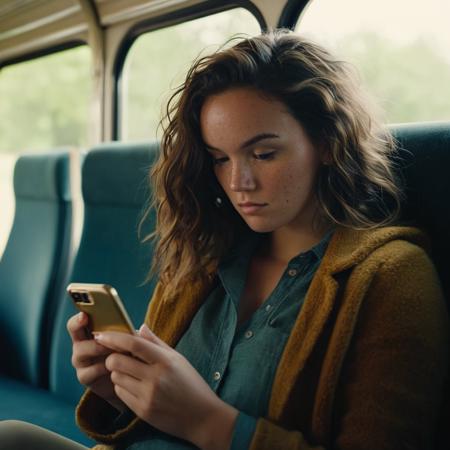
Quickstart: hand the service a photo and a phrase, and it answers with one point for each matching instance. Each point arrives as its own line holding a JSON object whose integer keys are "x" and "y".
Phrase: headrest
{"x": 117, "y": 174}
{"x": 425, "y": 163}
{"x": 43, "y": 176}
{"x": 425, "y": 159}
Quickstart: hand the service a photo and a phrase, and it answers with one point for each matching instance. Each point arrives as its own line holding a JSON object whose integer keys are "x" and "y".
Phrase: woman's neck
{"x": 284, "y": 244}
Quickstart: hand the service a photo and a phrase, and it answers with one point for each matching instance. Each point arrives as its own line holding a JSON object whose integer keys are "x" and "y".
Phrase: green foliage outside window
{"x": 411, "y": 81}
{"x": 44, "y": 103}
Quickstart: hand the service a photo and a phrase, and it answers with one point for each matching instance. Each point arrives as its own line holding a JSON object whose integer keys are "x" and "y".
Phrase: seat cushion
{"x": 20, "y": 401}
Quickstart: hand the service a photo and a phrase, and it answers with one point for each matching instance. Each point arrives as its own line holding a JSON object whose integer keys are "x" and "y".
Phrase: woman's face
{"x": 263, "y": 159}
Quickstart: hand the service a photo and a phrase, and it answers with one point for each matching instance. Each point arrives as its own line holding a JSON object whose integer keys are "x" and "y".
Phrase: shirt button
{"x": 248, "y": 334}
{"x": 216, "y": 376}
{"x": 292, "y": 272}
{"x": 268, "y": 307}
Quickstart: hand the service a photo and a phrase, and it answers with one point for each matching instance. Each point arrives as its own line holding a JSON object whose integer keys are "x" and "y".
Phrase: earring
{"x": 218, "y": 202}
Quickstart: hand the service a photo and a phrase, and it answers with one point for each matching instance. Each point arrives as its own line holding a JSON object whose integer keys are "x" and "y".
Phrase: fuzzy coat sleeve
{"x": 393, "y": 374}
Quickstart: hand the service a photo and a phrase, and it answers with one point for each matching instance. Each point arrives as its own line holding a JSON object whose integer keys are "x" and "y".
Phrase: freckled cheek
{"x": 221, "y": 179}
{"x": 292, "y": 190}
{"x": 291, "y": 193}
{"x": 281, "y": 190}
{"x": 286, "y": 190}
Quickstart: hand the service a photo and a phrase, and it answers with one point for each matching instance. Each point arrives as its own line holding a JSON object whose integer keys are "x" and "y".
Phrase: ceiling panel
{"x": 115, "y": 11}
{"x": 28, "y": 26}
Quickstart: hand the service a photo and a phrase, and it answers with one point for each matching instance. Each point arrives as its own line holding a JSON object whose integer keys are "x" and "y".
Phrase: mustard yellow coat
{"x": 365, "y": 363}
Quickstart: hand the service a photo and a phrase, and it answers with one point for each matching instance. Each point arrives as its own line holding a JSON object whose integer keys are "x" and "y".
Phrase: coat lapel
{"x": 308, "y": 327}
{"x": 169, "y": 318}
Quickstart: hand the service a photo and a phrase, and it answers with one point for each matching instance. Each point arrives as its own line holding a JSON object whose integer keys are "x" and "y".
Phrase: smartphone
{"x": 102, "y": 304}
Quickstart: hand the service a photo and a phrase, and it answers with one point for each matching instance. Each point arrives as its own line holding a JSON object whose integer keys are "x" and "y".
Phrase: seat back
{"x": 425, "y": 153}
{"x": 115, "y": 192}
{"x": 34, "y": 260}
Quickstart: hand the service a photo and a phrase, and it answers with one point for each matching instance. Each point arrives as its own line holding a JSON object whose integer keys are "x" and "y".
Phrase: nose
{"x": 242, "y": 178}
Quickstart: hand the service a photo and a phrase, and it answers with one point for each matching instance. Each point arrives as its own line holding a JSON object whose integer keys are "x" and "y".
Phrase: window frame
{"x": 291, "y": 13}
{"x": 43, "y": 52}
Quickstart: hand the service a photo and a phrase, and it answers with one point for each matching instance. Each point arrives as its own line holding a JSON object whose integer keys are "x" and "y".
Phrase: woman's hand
{"x": 88, "y": 359}
{"x": 162, "y": 388}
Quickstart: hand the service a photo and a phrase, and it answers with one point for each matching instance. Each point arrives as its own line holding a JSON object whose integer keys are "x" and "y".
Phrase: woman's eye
{"x": 219, "y": 160}
{"x": 264, "y": 156}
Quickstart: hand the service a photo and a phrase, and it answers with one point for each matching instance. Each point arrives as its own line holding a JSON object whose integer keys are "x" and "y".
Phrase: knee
{"x": 12, "y": 434}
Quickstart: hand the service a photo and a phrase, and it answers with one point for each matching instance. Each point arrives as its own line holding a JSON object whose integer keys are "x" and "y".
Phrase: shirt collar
{"x": 319, "y": 249}
{"x": 233, "y": 269}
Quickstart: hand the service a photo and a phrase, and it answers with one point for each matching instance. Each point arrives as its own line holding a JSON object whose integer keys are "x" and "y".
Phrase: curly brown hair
{"x": 356, "y": 189}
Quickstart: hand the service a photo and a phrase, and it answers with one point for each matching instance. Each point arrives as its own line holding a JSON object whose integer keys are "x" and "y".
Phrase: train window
{"x": 44, "y": 105}
{"x": 49, "y": 96}
{"x": 158, "y": 60}
{"x": 401, "y": 49}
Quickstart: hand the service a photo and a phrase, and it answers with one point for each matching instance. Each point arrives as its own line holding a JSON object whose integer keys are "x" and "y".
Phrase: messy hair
{"x": 356, "y": 187}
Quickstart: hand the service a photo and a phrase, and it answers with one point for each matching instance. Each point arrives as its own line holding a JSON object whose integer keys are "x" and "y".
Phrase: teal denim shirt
{"x": 239, "y": 363}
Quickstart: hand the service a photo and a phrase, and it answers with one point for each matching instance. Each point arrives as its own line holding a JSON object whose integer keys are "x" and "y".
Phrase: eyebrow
{"x": 253, "y": 140}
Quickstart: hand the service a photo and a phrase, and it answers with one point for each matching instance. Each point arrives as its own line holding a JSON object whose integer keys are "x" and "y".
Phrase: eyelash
{"x": 259, "y": 157}
{"x": 265, "y": 156}
{"x": 217, "y": 161}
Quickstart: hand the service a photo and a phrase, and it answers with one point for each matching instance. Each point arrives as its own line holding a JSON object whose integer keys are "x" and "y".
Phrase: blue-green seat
{"x": 115, "y": 191}
{"x": 21, "y": 401}
{"x": 34, "y": 260}
{"x": 115, "y": 187}
{"x": 425, "y": 161}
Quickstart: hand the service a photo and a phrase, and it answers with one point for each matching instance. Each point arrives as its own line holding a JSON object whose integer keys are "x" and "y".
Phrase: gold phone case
{"x": 103, "y": 306}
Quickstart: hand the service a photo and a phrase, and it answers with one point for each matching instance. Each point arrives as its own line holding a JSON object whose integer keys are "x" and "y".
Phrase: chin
{"x": 260, "y": 227}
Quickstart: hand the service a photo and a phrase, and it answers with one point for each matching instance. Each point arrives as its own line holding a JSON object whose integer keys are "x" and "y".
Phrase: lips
{"x": 251, "y": 208}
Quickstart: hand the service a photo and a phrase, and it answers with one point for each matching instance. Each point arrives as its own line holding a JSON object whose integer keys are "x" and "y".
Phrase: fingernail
{"x": 97, "y": 336}
{"x": 145, "y": 330}
{"x": 80, "y": 317}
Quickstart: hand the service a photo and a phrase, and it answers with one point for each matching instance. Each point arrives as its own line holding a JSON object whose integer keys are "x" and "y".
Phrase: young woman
{"x": 290, "y": 312}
